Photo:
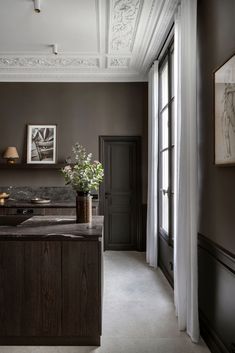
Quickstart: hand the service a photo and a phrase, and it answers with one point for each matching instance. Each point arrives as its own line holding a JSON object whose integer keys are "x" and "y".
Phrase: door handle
{"x": 165, "y": 191}
{"x": 107, "y": 194}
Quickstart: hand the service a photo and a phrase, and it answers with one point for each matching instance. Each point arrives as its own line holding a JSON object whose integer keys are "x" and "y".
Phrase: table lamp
{"x": 10, "y": 155}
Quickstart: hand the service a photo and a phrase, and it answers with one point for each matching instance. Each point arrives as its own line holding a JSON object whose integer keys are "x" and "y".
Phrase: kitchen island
{"x": 50, "y": 281}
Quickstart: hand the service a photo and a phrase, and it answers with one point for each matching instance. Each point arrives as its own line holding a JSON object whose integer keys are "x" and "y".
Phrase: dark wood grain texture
{"x": 11, "y": 287}
{"x": 50, "y": 341}
{"x": 80, "y": 284}
{"x": 42, "y": 289}
{"x": 50, "y": 290}
{"x": 30, "y": 288}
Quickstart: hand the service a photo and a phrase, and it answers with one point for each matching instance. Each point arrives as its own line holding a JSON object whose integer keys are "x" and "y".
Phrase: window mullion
{"x": 170, "y": 142}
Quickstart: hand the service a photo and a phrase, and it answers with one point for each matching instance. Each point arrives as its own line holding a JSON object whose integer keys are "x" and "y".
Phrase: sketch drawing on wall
{"x": 228, "y": 117}
{"x": 41, "y": 146}
{"x": 224, "y": 86}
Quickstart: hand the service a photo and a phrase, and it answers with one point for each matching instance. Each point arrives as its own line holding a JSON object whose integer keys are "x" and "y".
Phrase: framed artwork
{"x": 224, "y": 108}
{"x": 41, "y": 144}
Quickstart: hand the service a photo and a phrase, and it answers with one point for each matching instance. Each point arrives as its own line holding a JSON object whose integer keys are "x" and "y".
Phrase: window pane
{"x": 164, "y": 85}
{"x": 173, "y": 122}
{"x": 172, "y": 74}
{"x": 172, "y": 222}
{"x": 164, "y": 133}
{"x": 172, "y": 168}
{"x": 166, "y": 136}
{"x": 165, "y": 213}
{"x": 165, "y": 170}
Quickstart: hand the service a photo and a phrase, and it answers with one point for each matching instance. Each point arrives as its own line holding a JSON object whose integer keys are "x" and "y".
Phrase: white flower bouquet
{"x": 84, "y": 175}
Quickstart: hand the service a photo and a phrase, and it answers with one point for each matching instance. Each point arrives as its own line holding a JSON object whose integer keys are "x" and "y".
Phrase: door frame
{"x": 116, "y": 138}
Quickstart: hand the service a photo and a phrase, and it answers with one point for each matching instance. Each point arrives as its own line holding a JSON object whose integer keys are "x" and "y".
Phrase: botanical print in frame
{"x": 224, "y": 93}
{"x": 41, "y": 144}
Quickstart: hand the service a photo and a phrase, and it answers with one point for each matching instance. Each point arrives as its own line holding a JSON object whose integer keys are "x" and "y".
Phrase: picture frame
{"x": 41, "y": 144}
{"x": 224, "y": 113}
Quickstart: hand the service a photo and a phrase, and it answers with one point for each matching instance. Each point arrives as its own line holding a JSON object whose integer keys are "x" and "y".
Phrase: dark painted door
{"x": 120, "y": 193}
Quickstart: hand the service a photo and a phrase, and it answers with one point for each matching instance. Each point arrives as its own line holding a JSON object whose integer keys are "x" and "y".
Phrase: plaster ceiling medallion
{"x": 123, "y": 21}
{"x": 47, "y": 62}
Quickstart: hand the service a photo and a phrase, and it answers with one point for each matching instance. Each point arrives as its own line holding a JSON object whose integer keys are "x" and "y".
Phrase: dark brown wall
{"x": 83, "y": 111}
{"x": 216, "y": 43}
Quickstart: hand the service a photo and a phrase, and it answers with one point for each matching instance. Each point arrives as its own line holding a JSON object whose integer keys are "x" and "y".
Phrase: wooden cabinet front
{"x": 50, "y": 292}
{"x": 30, "y": 282}
{"x": 80, "y": 286}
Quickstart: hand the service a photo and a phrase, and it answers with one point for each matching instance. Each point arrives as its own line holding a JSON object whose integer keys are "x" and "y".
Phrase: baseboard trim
{"x": 211, "y": 338}
{"x": 166, "y": 274}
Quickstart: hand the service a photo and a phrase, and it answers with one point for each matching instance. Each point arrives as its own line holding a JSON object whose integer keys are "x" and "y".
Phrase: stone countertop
{"x": 51, "y": 228}
{"x": 24, "y": 204}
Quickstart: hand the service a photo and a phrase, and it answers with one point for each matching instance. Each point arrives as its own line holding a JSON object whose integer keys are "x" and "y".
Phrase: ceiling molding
{"x": 160, "y": 32}
{"x": 73, "y": 77}
{"x": 123, "y": 38}
{"x": 146, "y": 27}
{"x": 160, "y": 20}
{"x": 34, "y": 62}
{"x": 118, "y": 62}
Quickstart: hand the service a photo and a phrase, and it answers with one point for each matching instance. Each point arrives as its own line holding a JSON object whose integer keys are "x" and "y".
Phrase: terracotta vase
{"x": 83, "y": 207}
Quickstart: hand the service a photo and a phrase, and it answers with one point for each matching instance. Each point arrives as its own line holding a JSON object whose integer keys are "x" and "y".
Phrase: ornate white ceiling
{"x": 98, "y": 40}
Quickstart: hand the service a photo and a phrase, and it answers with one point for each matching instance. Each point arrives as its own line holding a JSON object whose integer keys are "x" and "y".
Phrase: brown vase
{"x": 83, "y": 208}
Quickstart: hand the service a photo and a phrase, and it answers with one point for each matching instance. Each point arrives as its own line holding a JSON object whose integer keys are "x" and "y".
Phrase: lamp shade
{"x": 11, "y": 153}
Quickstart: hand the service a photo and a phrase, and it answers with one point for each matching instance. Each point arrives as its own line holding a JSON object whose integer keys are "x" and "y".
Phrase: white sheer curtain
{"x": 152, "y": 222}
{"x": 186, "y": 201}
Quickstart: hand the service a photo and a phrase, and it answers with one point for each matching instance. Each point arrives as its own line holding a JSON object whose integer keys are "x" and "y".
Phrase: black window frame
{"x": 167, "y": 58}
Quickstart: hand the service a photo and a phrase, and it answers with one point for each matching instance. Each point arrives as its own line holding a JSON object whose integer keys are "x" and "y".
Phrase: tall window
{"x": 166, "y": 144}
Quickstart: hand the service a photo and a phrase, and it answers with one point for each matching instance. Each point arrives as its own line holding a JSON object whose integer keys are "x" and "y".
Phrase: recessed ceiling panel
{"x": 73, "y": 24}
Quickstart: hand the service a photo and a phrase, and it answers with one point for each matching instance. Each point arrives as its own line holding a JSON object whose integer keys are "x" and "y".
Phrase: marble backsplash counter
{"x": 60, "y": 194}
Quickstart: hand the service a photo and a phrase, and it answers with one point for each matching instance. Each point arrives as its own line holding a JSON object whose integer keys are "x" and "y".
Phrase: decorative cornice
{"x": 152, "y": 33}
{"x": 47, "y": 62}
{"x": 160, "y": 32}
{"x": 71, "y": 76}
{"x": 116, "y": 62}
{"x": 123, "y": 21}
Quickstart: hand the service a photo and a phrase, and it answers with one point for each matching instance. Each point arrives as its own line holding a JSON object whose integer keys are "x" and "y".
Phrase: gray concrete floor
{"x": 138, "y": 312}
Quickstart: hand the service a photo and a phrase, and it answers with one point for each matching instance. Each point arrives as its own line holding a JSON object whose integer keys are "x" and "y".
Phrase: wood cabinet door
{"x": 30, "y": 288}
{"x": 81, "y": 298}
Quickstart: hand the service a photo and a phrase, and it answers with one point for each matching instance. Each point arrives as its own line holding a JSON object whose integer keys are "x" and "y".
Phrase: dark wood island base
{"x": 49, "y": 341}
{"x": 51, "y": 282}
